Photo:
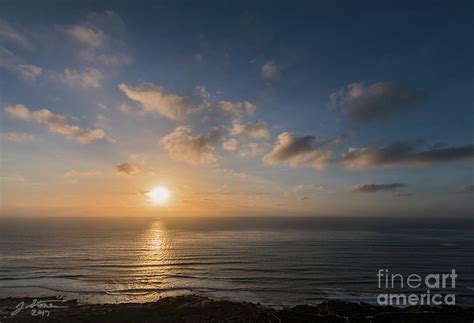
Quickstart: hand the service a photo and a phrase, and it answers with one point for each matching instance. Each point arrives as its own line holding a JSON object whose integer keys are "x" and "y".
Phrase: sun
{"x": 159, "y": 195}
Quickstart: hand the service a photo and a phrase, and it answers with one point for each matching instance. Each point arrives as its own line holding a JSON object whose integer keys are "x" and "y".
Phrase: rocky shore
{"x": 192, "y": 308}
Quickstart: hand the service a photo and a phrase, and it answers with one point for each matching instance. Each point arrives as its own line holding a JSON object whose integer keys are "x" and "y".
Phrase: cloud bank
{"x": 403, "y": 153}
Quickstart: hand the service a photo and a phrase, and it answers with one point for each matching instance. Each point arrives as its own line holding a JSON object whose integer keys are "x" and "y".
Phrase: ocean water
{"x": 274, "y": 261}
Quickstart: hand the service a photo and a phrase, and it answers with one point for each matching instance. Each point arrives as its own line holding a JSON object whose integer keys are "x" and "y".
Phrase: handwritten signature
{"x": 39, "y": 307}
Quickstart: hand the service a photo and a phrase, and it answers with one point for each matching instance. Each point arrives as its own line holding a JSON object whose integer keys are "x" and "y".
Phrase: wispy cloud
{"x": 100, "y": 34}
{"x": 87, "y": 35}
{"x": 13, "y": 36}
{"x": 55, "y": 123}
{"x": 87, "y": 78}
{"x": 17, "y": 137}
{"x": 153, "y": 99}
{"x": 309, "y": 188}
{"x": 74, "y": 174}
{"x": 372, "y": 188}
{"x": 18, "y": 66}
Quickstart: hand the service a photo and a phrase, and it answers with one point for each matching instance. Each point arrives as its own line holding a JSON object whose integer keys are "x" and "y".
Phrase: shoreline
{"x": 194, "y": 308}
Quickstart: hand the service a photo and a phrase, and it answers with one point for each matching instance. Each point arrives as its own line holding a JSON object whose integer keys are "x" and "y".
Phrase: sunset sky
{"x": 329, "y": 108}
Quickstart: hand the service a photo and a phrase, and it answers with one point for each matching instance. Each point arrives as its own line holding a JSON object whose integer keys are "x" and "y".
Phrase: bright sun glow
{"x": 159, "y": 195}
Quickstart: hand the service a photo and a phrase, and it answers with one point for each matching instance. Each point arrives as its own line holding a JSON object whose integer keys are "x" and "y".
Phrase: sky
{"x": 237, "y": 108}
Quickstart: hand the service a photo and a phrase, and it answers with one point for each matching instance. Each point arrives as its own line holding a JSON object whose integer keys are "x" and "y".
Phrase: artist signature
{"x": 39, "y": 307}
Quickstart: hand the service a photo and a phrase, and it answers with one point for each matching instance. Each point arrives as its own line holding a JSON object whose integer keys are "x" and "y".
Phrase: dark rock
{"x": 193, "y": 308}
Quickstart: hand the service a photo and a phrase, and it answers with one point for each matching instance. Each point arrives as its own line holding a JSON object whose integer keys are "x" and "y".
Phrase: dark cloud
{"x": 126, "y": 168}
{"x": 371, "y": 188}
{"x": 302, "y": 151}
{"x": 298, "y": 151}
{"x": 403, "y": 152}
{"x": 377, "y": 101}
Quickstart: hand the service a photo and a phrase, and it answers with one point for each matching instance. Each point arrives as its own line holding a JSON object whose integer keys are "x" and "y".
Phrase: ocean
{"x": 273, "y": 261}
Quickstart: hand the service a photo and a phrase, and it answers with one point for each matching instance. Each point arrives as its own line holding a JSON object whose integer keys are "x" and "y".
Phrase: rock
{"x": 192, "y": 308}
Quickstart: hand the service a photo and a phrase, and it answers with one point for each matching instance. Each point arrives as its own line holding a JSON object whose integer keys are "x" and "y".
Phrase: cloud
{"x": 9, "y": 34}
{"x": 18, "y": 111}
{"x": 17, "y": 137}
{"x": 465, "y": 189}
{"x": 55, "y": 123}
{"x": 107, "y": 59}
{"x": 182, "y": 145}
{"x": 154, "y": 100}
{"x": 231, "y": 172}
{"x": 87, "y": 78}
{"x": 14, "y": 64}
{"x": 254, "y": 149}
{"x": 235, "y": 109}
{"x": 403, "y": 153}
{"x": 88, "y": 35}
{"x": 302, "y": 198}
{"x": 371, "y": 188}
{"x": 29, "y": 71}
{"x": 230, "y": 145}
{"x": 254, "y": 130}
{"x": 271, "y": 71}
{"x": 309, "y": 187}
{"x": 299, "y": 151}
{"x": 74, "y": 174}
{"x": 374, "y": 102}
{"x": 100, "y": 33}
{"x": 126, "y": 168}
{"x": 13, "y": 178}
